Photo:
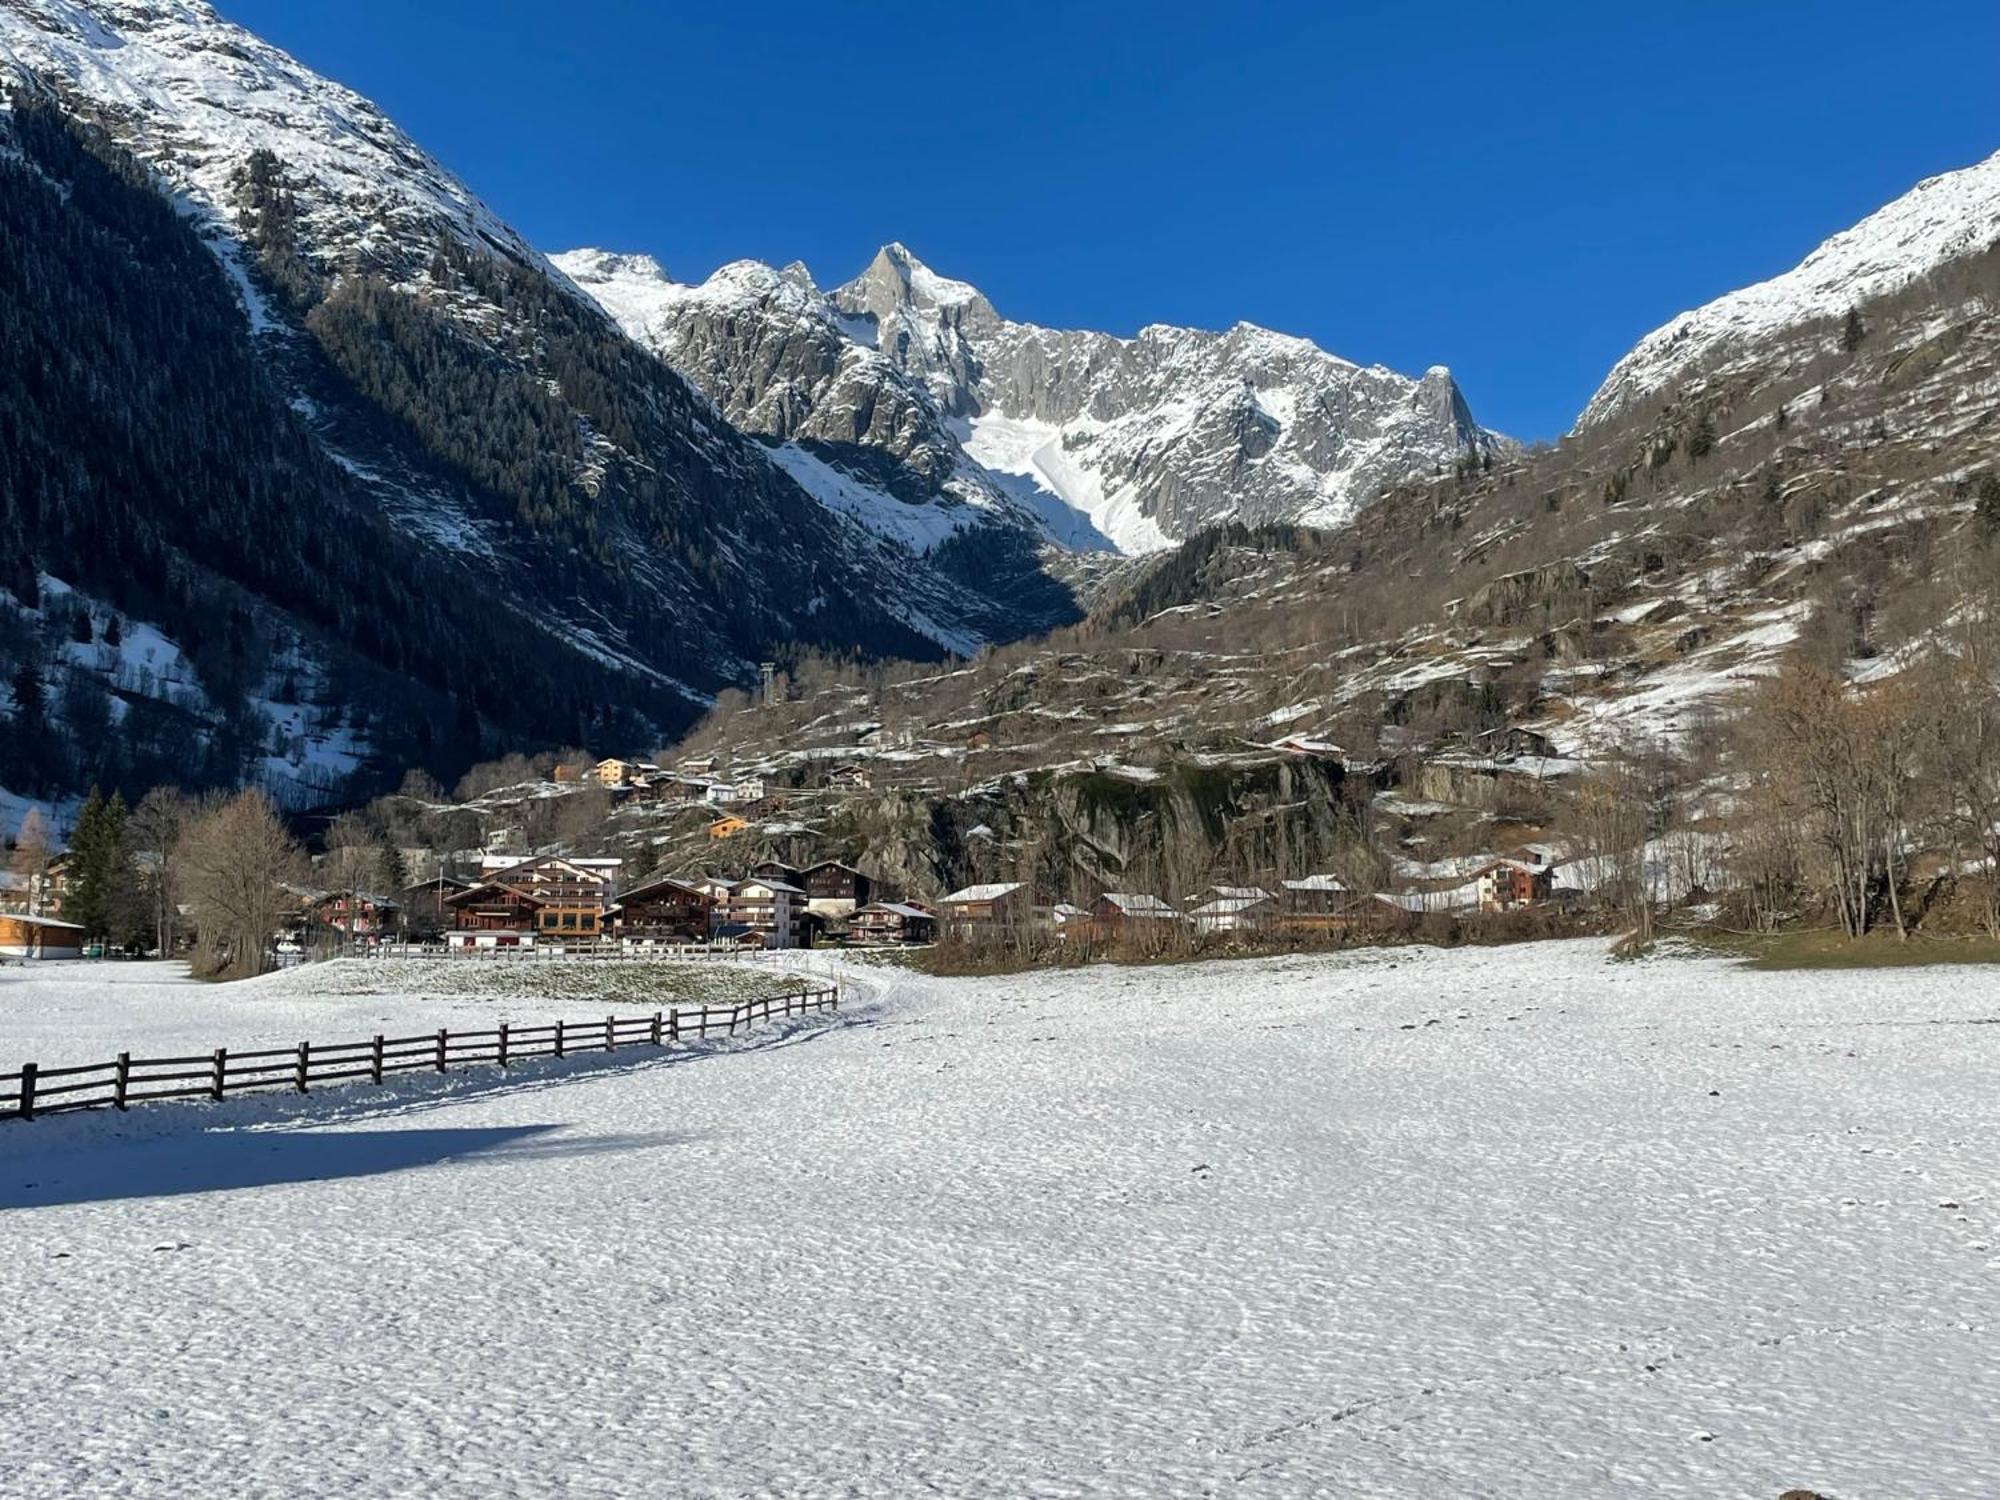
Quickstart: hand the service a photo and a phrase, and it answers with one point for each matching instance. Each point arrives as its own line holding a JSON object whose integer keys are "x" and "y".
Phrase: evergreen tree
{"x": 1702, "y": 442}
{"x": 100, "y": 884}
{"x": 391, "y": 873}
{"x": 1986, "y": 506}
{"x": 1852, "y": 333}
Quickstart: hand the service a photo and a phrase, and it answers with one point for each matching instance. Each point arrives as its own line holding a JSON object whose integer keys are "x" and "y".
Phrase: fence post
{"x": 673, "y": 1025}
{"x": 503, "y": 1044}
{"x": 656, "y": 1029}
{"x": 123, "y": 1080}
{"x": 28, "y": 1071}
{"x": 215, "y": 1085}
{"x": 305, "y": 1066}
{"x": 608, "y": 1021}
{"x": 441, "y": 1038}
{"x": 559, "y": 1037}
{"x": 377, "y": 1062}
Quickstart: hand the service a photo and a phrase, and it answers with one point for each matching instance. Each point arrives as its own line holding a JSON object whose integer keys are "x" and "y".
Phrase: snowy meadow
{"x": 1516, "y": 1222}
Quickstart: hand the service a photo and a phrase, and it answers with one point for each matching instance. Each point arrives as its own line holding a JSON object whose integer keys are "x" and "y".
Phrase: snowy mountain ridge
{"x": 193, "y": 95}
{"x": 1941, "y": 219}
{"x": 1099, "y": 441}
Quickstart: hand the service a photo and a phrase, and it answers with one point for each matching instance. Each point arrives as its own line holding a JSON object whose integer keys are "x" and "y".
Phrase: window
{"x": 548, "y": 919}
{"x": 569, "y": 919}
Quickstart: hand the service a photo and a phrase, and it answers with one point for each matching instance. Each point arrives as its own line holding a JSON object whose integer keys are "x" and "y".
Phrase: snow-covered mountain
{"x": 908, "y": 380}
{"x": 1940, "y": 220}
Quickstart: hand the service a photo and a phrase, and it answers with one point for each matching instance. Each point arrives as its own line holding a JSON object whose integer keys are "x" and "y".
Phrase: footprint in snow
{"x": 173, "y": 1245}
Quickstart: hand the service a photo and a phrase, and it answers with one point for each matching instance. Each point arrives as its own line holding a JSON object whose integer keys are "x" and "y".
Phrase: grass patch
{"x": 1832, "y": 950}
{"x": 619, "y": 986}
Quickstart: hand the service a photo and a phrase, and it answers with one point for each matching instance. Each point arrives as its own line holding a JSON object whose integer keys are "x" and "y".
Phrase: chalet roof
{"x": 1240, "y": 893}
{"x": 439, "y": 881}
{"x": 976, "y": 893}
{"x": 1315, "y": 883}
{"x": 641, "y": 892}
{"x": 1224, "y": 906}
{"x": 495, "y": 887}
{"x": 770, "y": 885}
{"x": 1509, "y": 864}
{"x": 898, "y": 908}
{"x": 27, "y": 921}
{"x": 832, "y": 864}
{"x": 1139, "y": 904}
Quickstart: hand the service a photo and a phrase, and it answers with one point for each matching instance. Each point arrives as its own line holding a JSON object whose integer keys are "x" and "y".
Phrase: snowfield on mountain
{"x": 1513, "y": 1222}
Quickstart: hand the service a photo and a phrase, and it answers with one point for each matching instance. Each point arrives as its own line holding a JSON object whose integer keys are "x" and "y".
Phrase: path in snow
{"x": 1508, "y": 1222}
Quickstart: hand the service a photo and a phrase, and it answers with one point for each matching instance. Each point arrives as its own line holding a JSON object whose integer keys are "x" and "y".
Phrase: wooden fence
{"x": 126, "y": 1080}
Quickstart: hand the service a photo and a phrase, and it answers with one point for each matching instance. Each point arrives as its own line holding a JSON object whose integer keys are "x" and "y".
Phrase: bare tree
{"x": 155, "y": 831}
{"x": 233, "y": 858}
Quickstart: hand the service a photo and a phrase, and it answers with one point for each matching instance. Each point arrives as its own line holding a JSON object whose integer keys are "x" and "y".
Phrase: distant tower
{"x": 767, "y": 672}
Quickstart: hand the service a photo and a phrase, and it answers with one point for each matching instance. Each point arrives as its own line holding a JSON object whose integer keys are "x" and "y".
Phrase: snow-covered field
{"x": 1512, "y": 1222}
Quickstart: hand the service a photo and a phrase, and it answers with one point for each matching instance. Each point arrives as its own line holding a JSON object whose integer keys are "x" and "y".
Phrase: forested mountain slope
{"x": 615, "y": 550}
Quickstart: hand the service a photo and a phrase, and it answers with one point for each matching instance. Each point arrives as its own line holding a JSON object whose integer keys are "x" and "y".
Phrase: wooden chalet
{"x": 1509, "y": 883}
{"x": 1237, "y": 909}
{"x": 850, "y": 778}
{"x": 1313, "y": 895}
{"x": 834, "y": 889}
{"x": 883, "y": 924}
{"x": 552, "y": 898}
{"x": 492, "y": 915}
{"x": 777, "y": 869}
{"x": 23, "y": 936}
{"x": 1115, "y": 908}
{"x": 983, "y": 907}
{"x": 727, "y": 826}
{"x": 358, "y": 913}
{"x": 668, "y": 910}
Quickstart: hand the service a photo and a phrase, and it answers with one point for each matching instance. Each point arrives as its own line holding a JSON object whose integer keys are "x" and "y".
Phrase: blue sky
{"x": 1516, "y": 191}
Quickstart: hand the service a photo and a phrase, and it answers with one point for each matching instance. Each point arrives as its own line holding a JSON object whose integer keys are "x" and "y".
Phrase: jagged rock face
{"x": 1176, "y": 429}
{"x": 1942, "y": 219}
{"x": 771, "y": 351}
{"x": 1092, "y": 441}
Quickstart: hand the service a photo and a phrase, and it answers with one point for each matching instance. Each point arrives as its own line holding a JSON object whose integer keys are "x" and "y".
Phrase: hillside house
{"x": 850, "y": 778}
{"x": 1115, "y": 908}
{"x": 1313, "y": 893}
{"x": 699, "y": 765}
{"x": 23, "y": 936}
{"x": 490, "y": 915}
{"x": 1511, "y": 740}
{"x": 773, "y": 909}
{"x": 1507, "y": 884}
{"x": 614, "y": 772}
{"x": 356, "y": 913}
{"x": 834, "y": 889}
{"x": 978, "y": 908}
{"x": 727, "y": 826}
{"x": 715, "y": 887}
{"x": 743, "y": 789}
{"x": 664, "y": 911}
{"x": 891, "y": 924}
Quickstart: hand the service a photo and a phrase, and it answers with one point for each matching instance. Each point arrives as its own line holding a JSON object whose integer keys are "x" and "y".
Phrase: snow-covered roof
{"x": 1225, "y": 906}
{"x": 1139, "y": 904}
{"x": 8, "y": 916}
{"x": 1241, "y": 892}
{"x": 900, "y": 909}
{"x": 976, "y": 893}
{"x": 1315, "y": 883}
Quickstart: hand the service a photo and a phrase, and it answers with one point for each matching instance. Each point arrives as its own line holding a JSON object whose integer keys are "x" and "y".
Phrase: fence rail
{"x": 33, "y": 1090}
